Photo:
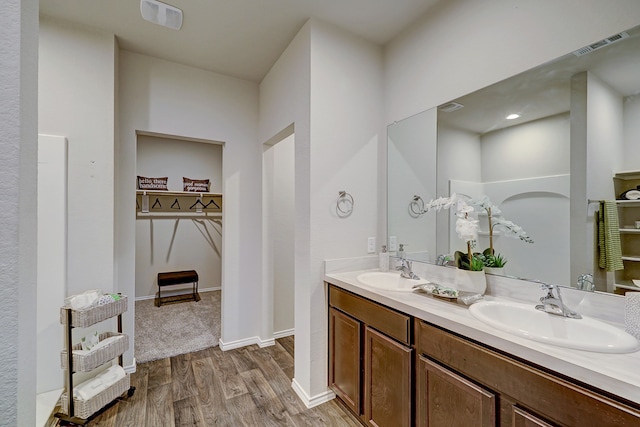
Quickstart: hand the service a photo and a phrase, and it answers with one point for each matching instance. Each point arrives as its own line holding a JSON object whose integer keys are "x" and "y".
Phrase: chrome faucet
{"x": 404, "y": 267}
{"x": 585, "y": 282}
{"x": 552, "y": 303}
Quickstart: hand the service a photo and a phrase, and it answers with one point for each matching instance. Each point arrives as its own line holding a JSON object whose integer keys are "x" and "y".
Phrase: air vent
{"x": 161, "y": 14}
{"x": 450, "y": 107}
{"x": 600, "y": 44}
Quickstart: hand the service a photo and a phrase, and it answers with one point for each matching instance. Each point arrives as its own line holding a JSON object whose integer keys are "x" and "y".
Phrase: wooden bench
{"x": 178, "y": 278}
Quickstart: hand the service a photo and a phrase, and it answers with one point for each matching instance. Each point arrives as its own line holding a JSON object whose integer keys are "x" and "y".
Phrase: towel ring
{"x": 416, "y": 206}
{"x": 344, "y": 204}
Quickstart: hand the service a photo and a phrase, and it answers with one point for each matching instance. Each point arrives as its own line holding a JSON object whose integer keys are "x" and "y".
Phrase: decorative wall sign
{"x": 195, "y": 185}
{"x": 156, "y": 184}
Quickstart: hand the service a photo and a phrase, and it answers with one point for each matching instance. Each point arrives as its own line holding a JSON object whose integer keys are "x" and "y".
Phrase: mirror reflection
{"x": 575, "y": 128}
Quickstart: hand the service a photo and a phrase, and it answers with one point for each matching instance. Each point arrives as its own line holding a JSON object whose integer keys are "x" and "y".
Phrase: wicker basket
{"x": 85, "y": 408}
{"x": 93, "y": 359}
{"x": 85, "y": 318}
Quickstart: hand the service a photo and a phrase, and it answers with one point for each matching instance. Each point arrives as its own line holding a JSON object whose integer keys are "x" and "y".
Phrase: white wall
{"x": 337, "y": 78}
{"x": 459, "y": 158}
{"x": 346, "y": 132}
{"x": 52, "y": 258}
{"x": 604, "y": 157}
{"x": 76, "y": 88}
{"x": 172, "y": 99}
{"x": 285, "y": 100}
{"x": 631, "y": 133}
{"x": 18, "y": 187}
{"x": 533, "y": 149}
{"x": 412, "y": 152}
{"x": 605, "y": 138}
{"x": 190, "y": 244}
{"x": 461, "y": 46}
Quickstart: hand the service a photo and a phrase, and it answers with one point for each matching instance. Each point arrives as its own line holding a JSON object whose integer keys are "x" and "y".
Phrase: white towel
{"x": 84, "y": 300}
{"x": 97, "y": 346}
{"x": 101, "y": 382}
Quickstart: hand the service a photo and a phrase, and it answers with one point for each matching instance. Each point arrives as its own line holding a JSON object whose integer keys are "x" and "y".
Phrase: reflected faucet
{"x": 585, "y": 282}
{"x": 552, "y": 303}
{"x": 404, "y": 267}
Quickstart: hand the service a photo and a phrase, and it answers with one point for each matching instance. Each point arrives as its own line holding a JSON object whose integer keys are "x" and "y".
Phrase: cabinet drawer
{"x": 557, "y": 400}
{"x": 387, "y": 321}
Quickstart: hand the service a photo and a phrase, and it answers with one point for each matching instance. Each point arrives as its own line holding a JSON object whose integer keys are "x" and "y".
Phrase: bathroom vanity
{"x": 406, "y": 358}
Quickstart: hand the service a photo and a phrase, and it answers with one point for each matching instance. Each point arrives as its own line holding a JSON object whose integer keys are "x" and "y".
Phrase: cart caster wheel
{"x": 131, "y": 391}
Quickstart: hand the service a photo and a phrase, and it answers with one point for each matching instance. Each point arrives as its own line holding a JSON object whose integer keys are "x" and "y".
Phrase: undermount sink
{"x": 389, "y": 281}
{"x": 580, "y": 334}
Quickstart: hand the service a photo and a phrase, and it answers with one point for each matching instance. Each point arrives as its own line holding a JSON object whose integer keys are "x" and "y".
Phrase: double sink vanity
{"x": 401, "y": 357}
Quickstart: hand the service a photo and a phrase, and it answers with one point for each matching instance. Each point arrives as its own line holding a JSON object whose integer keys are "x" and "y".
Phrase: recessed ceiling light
{"x": 161, "y": 14}
{"x": 513, "y": 116}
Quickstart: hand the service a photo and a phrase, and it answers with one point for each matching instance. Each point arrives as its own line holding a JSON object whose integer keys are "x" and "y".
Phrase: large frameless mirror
{"x": 578, "y": 126}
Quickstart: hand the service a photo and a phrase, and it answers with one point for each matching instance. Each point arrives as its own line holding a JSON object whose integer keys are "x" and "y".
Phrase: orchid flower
{"x": 511, "y": 229}
{"x": 440, "y": 203}
{"x": 486, "y": 204}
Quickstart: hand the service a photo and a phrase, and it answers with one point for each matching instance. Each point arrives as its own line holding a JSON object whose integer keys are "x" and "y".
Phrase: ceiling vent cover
{"x": 601, "y": 44}
{"x": 450, "y": 107}
{"x": 161, "y": 14}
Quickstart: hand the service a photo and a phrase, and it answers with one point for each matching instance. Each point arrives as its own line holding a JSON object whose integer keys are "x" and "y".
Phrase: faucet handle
{"x": 549, "y": 288}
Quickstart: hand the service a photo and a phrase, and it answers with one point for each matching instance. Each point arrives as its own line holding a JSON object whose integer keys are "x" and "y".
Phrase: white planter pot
{"x": 498, "y": 271}
{"x": 471, "y": 281}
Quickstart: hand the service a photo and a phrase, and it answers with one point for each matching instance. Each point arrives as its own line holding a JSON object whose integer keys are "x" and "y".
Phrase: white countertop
{"x": 618, "y": 374}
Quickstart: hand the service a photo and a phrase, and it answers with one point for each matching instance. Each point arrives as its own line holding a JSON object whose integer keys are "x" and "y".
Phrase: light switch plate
{"x": 393, "y": 244}
{"x": 371, "y": 245}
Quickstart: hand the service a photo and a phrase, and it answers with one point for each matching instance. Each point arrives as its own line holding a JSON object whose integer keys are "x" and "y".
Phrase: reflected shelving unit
{"x": 628, "y": 214}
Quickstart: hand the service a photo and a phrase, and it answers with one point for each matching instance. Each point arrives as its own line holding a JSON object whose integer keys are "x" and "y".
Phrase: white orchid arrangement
{"x": 466, "y": 227}
{"x": 498, "y": 223}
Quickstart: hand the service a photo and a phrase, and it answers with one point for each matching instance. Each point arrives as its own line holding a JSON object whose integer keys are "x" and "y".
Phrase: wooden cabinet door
{"x": 523, "y": 418}
{"x": 444, "y": 398}
{"x": 344, "y": 358}
{"x": 387, "y": 381}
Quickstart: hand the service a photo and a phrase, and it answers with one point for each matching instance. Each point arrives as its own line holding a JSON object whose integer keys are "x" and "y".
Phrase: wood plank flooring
{"x": 249, "y": 386}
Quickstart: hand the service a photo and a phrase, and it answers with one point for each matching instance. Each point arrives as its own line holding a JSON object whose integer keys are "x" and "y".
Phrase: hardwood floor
{"x": 250, "y": 386}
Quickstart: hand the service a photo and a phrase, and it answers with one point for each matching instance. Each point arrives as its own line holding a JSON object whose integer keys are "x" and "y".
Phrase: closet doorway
{"x": 178, "y": 228}
{"x": 279, "y": 233}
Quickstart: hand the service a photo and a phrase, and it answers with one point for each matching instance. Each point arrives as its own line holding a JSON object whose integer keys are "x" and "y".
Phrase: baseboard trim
{"x": 174, "y": 292}
{"x": 266, "y": 343}
{"x": 285, "y": 333}
{"x": 311, "y": 402}
{"x": 130, "y": 369}
{"x": 224, "y": 346}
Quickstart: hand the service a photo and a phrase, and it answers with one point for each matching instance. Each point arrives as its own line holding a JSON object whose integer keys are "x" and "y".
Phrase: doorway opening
{"x": 279, "y": 234}
{"x": 179, "y": 218}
